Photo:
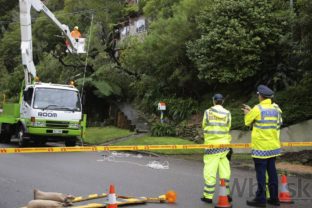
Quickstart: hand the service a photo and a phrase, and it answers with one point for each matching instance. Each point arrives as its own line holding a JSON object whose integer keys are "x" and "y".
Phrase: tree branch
{"x": 59, "y": 58}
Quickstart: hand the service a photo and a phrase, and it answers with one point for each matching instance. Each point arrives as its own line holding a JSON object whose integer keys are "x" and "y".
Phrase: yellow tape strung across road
{"x": 139, "y": 147}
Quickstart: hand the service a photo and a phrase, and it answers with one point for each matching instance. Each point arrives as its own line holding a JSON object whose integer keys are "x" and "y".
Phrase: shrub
{"x": 295, "y": 103}
{"x": 163, "y": 129}
{"x": 179, "y": 109}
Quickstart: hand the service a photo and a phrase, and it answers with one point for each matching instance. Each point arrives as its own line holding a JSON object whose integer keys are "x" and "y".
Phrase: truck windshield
{"x": 57, "y": 99}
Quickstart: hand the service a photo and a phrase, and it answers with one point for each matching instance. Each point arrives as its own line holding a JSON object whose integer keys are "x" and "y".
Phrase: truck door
{"x": 26, "y": 102}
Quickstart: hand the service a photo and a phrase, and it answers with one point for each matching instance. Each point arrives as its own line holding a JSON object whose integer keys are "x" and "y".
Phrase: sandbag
{"x": 44, "y": 204}
{"x": 54, "y": 196}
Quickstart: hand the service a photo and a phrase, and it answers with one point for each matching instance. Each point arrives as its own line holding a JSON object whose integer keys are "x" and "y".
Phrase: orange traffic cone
{"x": 223, "y": 200}
{"x": 284, "y": 195}
{"x": 112, "y": 203}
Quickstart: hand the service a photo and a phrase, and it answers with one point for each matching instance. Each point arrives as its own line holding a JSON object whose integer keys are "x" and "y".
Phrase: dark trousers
{"x": 261, "y": 166}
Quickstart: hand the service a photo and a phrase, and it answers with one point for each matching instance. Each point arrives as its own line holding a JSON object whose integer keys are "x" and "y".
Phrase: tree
{"x": 154, "y": 9}
{"x": 6, "y": 14}
{"x": 160, "y": 57}
{"x": 303, "y": 34}
{"x": 240, "y": 39}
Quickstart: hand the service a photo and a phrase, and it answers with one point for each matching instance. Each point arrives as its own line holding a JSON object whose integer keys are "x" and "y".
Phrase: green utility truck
{"x": 45, "y": 111}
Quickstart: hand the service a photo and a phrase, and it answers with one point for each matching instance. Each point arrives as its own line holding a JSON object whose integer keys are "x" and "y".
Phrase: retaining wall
{"x": 301, "y": 132}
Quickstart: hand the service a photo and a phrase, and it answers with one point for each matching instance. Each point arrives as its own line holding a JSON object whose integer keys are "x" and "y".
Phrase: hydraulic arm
{"x": 75, "y": 46}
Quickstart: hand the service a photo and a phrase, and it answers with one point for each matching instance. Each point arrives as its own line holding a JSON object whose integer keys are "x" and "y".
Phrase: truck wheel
{"x": 7, "y": 137}
{"x": 2, "y": 137}
{"x": 20, "y": 136}
{"x": 6, "y": 134}
{"x": 70, "y": 142}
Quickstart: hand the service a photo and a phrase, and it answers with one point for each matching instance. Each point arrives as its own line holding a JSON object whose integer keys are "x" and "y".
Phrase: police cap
{"x": 218, "y": 97}
{"x": 265, "y": 91}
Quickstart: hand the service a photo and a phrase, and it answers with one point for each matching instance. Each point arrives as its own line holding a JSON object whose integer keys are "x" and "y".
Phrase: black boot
{"x": 229, "y": 198}
{"x": 256, "y": 203}
{"x": 274, "y": 202}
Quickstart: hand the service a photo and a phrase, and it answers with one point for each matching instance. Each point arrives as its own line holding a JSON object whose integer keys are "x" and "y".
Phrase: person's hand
{"x": 246, "y": 108}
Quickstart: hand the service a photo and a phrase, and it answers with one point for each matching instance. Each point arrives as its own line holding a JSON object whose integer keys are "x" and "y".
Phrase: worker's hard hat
{"x": 218, "y": 97}
{"x": 265, "y": 91}
{"x": 76, "y": 27}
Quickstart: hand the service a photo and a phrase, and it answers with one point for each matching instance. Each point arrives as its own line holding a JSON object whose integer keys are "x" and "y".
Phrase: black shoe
{"x": 256, "y": 203}
{"x": 229, "y": 198}
{"x": 274, "y": 202}
{"x": 204, "y": 199}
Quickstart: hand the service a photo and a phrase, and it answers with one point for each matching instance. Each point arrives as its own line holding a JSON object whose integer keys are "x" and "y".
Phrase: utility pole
{"x": 291, "y": 3}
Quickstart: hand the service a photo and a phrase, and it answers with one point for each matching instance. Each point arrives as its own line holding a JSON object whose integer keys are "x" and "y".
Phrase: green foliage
{"x": 161, "y": 56}
{"x": 179, "y": 109}
{"x": 234, "y": 106}
{"x": 295, "y": 102}
{"x": 131, "y": 10}
{"x": 9, "y": 48}
{"x": 303, "y": 33}
{"x": 55, "y": 5}
{"x": 7, "y": 12}
{"x": 163, "y": 129}
{"x": 239, "y": 39}
{"x": 159, "y": 9}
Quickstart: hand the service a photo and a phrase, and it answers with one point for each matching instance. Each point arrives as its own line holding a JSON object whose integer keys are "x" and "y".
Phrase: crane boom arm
{"x": 26, "y": 34}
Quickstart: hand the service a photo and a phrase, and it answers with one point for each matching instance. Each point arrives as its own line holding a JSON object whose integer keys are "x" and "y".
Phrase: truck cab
{"x": 50, "y": 112}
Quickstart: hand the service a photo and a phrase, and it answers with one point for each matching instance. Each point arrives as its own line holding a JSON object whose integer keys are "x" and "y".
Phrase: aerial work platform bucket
{"x": 79, "y": 44}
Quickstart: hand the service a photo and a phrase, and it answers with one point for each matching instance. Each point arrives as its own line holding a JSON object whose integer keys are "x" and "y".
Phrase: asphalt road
{"x": 87, "y": 173}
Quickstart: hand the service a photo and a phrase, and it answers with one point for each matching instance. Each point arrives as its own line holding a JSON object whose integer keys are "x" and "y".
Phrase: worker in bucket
{"x": 216, "y": 126}
{"x": 75, "y": 33}
{"x": 265, "y": 143}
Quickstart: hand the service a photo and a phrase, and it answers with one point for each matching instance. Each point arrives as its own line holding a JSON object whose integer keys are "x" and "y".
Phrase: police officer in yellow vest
{"x": 266, "y": 120}
{"x": 216, "y": 125}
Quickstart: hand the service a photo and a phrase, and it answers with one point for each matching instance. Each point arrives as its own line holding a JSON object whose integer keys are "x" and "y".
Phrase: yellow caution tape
{"x": 89, "y": 197}
{"x": 139, "y": 147}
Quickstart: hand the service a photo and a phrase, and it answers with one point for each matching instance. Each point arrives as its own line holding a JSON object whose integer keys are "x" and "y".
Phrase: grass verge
{"x": 99, "y": 135}
{"x": 149, "y": 140}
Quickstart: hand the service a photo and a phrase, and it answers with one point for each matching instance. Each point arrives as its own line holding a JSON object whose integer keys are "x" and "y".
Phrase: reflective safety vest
{"x": 216, "y": 125}
{"x": 280, "y": 119}
{"x": 75, "y": 34}
{"x": 267, "y": 120}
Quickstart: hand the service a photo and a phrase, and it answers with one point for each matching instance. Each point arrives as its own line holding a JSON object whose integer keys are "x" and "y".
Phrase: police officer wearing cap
{"x": 216, "y": 126}
{"x": 265, "y": 119}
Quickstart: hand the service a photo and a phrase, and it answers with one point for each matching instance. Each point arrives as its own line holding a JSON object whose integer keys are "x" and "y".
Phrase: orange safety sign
{"x": 139, "y": 147}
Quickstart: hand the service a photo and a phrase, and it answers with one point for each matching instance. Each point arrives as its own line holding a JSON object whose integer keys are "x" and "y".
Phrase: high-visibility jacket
{"x": 280, "y": 119}
{"x": 266, "y": 120}
{"x": 75, "y": 34}
{"x": 216, "y": 125}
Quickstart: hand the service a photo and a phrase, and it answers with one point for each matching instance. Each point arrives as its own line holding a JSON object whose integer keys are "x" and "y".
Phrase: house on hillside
{"x": 132, "y": 1}
{"x": 134, "y": 24}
